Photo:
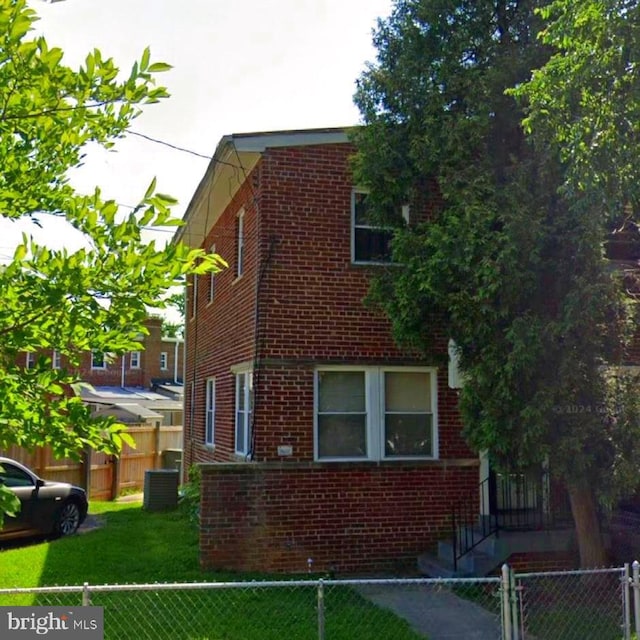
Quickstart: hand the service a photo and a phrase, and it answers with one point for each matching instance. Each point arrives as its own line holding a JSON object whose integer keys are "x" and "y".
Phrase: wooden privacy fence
{"x": 105, "y": 476}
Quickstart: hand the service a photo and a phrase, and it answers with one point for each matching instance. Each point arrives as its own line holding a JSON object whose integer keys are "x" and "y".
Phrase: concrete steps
{"x": 491, "y": 552}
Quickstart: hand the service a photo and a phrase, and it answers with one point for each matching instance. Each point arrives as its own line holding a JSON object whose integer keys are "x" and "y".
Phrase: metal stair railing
{"x": 470, "y": 525}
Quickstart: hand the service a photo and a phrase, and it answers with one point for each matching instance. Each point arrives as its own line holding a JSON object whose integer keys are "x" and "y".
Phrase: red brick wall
{"x": 345, "y": 517}
{"x": 313, "y": 294}
{"x": 299, "y": 305}
{"x": 309, "y": 304}
{"x": 111, "y": 375}
{"x": 171, "y": 372}
{"x": 221, "y": 333}
{"x": 284, "y": 414}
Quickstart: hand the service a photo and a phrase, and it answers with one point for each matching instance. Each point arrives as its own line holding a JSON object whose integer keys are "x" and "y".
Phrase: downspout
{"x": 122, "y": 373}
{"x": 256, "y": 356}
{"x": 175, "y": 363}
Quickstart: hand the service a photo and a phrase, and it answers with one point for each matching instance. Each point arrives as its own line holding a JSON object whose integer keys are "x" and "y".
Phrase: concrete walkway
{"x": 435, "y": 613}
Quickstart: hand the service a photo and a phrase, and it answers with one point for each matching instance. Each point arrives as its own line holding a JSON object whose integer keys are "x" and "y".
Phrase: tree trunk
{"x": 585, "y": 517}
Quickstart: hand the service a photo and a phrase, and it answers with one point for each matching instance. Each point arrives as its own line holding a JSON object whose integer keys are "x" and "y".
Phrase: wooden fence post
{"x": 87, "y": 455}
{"x": 156, "y": 459}
{"x": 115, "y": 477}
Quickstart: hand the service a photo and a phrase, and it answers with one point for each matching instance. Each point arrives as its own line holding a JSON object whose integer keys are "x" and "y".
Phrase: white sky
{"x": 239, "y": 65}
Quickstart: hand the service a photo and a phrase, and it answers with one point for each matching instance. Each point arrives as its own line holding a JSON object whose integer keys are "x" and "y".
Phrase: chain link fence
{"x": 573, "y": 605}
{"x": 583, "y": 605}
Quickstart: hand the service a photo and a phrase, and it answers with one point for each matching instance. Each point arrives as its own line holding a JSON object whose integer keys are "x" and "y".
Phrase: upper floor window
{"x": 98, "y": 360}
{"x": 164, "y": 360}
{"x": 30, "y": 360}
{"x": 210, "y": 408}
{"x": 240, "y": 243}
{"x": 134, "y": 361}
{"x": 56, "y": 359}
{"x": 375, "y": 413}
{"x": 370, "y": 241}
{"x": 244, "y": 411}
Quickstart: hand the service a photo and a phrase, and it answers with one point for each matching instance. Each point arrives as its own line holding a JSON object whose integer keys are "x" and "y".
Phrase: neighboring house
{"x": 159, "y": 362}
{"x": 150, "y": 378}
{"x": 329, "y": 447}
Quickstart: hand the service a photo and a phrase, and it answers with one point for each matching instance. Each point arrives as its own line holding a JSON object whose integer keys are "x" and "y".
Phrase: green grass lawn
{"x": 137, "y": 546}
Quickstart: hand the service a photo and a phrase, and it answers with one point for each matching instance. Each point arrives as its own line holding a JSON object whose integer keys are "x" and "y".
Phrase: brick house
{"x": 146, "y": 382}
{"x": 321, "y": 443}
{"x": 161, "y": 359}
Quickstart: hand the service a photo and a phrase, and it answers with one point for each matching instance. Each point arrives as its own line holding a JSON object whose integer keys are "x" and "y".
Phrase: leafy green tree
{"x": 170, "y": 329}
{"x": 95, "y": 298}
{"x": 506, "y": 242}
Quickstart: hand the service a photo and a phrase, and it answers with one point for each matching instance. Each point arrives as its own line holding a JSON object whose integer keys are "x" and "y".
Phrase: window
{"x": 210, "y": 411}
{"x": 98, "y": 361}
{"x": 30, "y": 360}
{"x": 240, "y": 243}
{"x": 163, "y": 360}
{"x": 134, "y": 361}
{"x": 56, "y": 359}
{"x": 244, "y": 409}
{"x": 12, "y": 476}
{"x": 212, "y": 280}
{"x": 375, "y": 413}
{"x": 370, "y": 242}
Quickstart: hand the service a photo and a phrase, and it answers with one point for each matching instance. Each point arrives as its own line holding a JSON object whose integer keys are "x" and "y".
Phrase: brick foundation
{"x": 345, "y": 517}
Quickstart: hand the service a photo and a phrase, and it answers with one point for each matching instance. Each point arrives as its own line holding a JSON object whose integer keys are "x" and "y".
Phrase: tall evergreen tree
{"x": 511, "y": 257}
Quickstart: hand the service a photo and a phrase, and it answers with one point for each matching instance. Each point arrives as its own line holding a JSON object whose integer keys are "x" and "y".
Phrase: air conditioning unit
{"x": 160, "y": 489}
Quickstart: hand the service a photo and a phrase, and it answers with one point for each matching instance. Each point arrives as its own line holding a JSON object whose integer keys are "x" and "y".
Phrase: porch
{"x": 516, "y": 513}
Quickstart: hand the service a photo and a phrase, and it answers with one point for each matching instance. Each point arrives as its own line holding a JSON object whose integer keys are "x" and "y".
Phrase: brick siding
{"x": 345, "y": 517}
{"x": 298, "y": 305}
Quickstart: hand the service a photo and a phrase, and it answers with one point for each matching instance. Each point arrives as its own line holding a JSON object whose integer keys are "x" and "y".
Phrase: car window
{"x": 11, "y": 476}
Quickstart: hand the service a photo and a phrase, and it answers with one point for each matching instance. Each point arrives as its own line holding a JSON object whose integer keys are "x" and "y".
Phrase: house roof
{"x": 137, "y": 409}
{"x": 127, "y": 396}
{"x": 129, "y": 412}
{"x": 168, "y": 388}
{"x": 235, "y": 156}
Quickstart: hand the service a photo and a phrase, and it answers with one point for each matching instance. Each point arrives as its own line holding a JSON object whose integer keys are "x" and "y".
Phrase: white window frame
{"x": 164, "y": 360}
{"x": 354, "y": 192}
{"x": 30, "y": 360}
{"x": 210, "y": 412}
{"x": 104, "y": 361}
{"x": 247, "y": 411}
{"x": 56, "y": 359}
{"x": 134, "y": 360}
{"x": 375, "y": 413}
{"x": 240, "y": 244}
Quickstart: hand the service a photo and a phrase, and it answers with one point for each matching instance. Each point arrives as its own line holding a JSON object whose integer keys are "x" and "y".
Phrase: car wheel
{"x": 68, "y": 519}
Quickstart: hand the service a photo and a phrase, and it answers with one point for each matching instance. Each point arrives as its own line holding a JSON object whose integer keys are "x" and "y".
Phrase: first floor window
{"x": 163, "y": 360}
{"x": 135, "y": 360}
{"x": 56, "y": 359}
{"x": 375, "y": 413}
{"x": 210, "y": 403}
{"x": 244, "y": 410}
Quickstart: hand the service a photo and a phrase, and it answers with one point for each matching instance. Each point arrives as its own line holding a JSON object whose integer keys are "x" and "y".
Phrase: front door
{"x": 519, "y": 499}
